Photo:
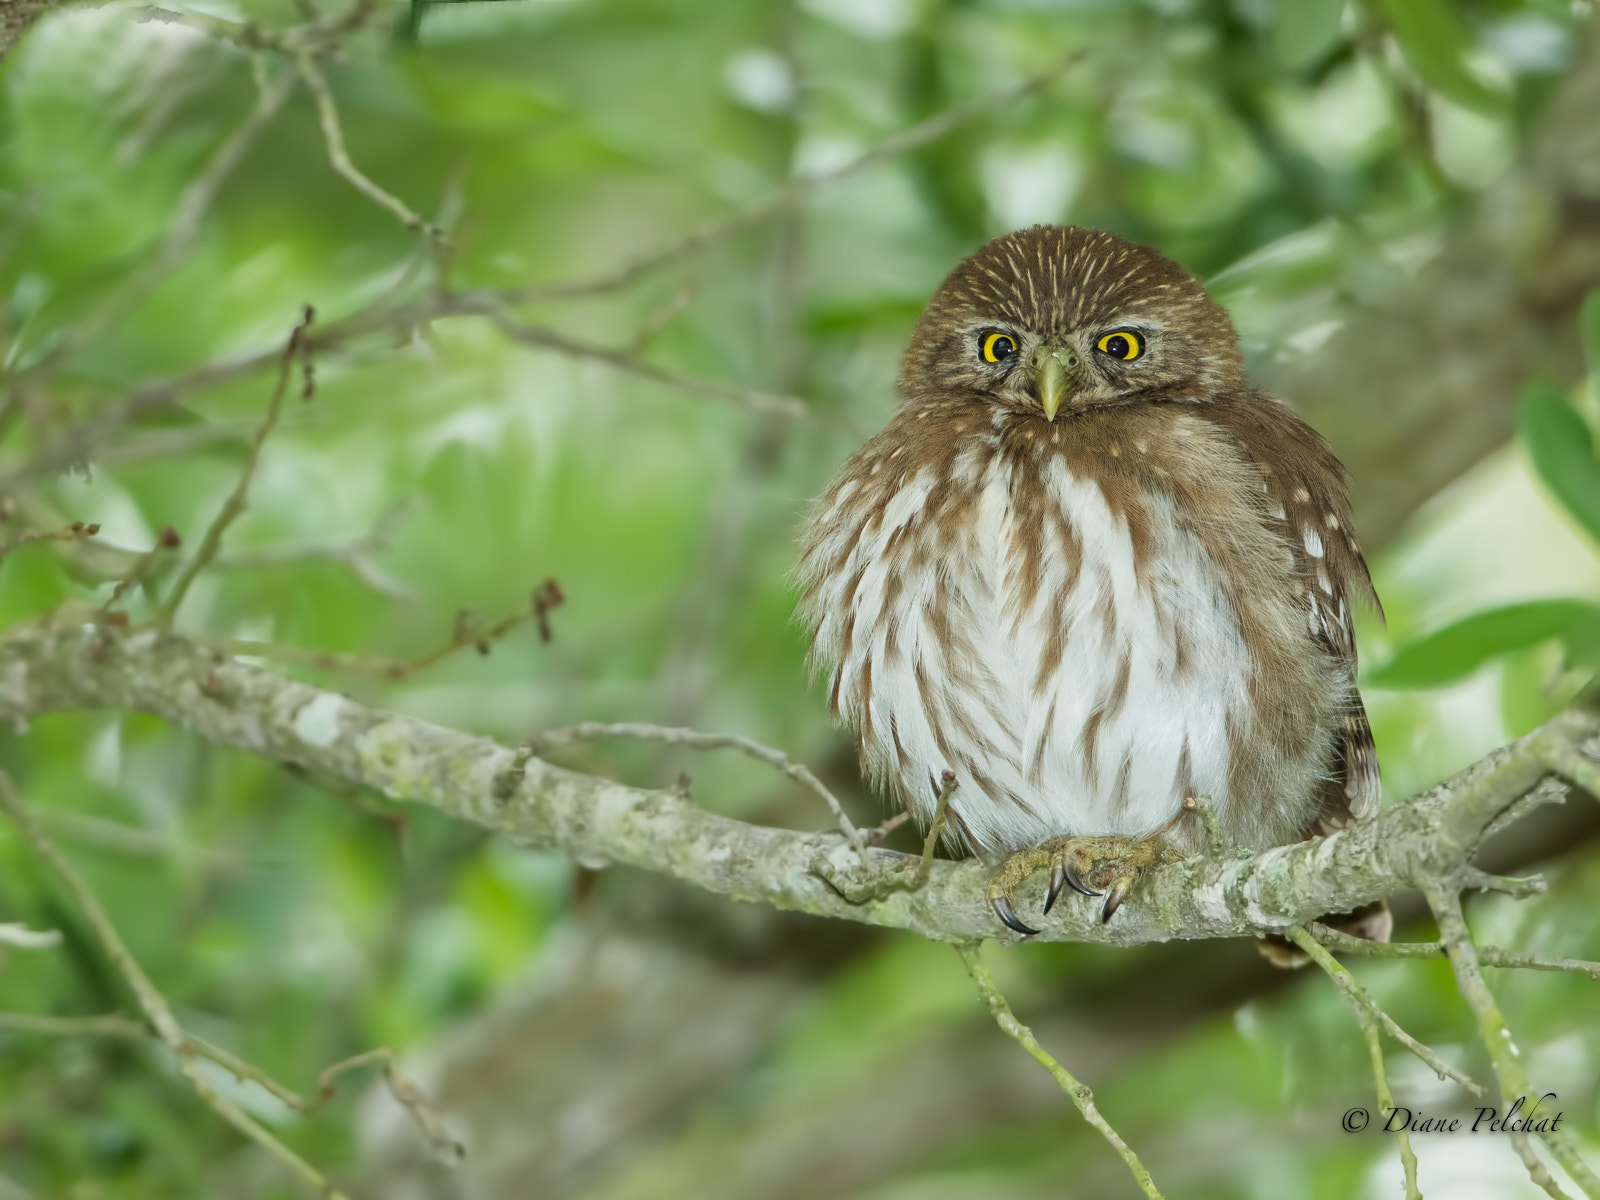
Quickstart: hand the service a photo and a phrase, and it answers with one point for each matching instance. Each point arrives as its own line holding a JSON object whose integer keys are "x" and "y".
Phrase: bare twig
{"x": 658, "y": 320}
{"x": 1359, "y": 995}
{"x": 628, "y": 360}
{"x": 211, "y": 542}
{"x": 75, "y": 532}
{"x": 467, "y": 631}
{"x": 138, "y": 573}
{"x": 186, "y": 219}
{"x": 440, "y": 1142}
{"x": 1503, "y": 1052}
{"x": 151, "y": 1003}
{"x": 356, "y": 555}
{"x": 1576, "y": 766}
{"x": 941, "y": 814}
{"x": 1488, "y": 956}
{"x": 1079, "y": 1093}
{"x": 75, "y": 445}
{"x": 884, "y": 828}
{"x": 588, "y": 731}
{"x": 339, "y": 156}
{"x": 133, "y": 841}
{"x": 797, "y": 191}
{"x": 1366, "y": 1016}
{"x": 111, "y": 1025}
{"x": 1206, "y": 811}
{"x": 1551, "y": 791}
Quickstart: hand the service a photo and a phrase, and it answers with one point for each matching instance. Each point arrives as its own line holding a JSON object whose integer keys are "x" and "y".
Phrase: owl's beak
{"x": 1054, "y": 368}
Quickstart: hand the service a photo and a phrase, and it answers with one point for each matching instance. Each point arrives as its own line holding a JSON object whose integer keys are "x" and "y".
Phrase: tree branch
{"x": 74, "y": 661}
{"x": 1506, "y": 1058}
{"x": 152, "y": 1003}
{"x": 1370, "y": 1017}
{"x": 386, "y": 315}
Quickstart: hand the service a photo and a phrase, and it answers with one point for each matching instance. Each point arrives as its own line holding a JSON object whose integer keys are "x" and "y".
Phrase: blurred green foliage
{"x": 1302, "y": 155}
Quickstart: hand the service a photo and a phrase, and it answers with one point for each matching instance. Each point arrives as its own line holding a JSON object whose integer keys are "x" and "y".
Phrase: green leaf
{"x": 1562, "y": 449}
{"x": 1305, "y": 30}
{"x": 1456, "y": 651}
{"x": 1435, "y": 45}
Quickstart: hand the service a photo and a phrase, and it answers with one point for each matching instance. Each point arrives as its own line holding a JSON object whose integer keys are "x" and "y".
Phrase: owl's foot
{"x": 1110, "y": 865}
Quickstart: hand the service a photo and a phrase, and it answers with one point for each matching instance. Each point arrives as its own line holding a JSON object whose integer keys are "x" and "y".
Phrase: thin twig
{"x": 466, "y": 632}
{"x": 139, "y": 571}
{"x": 439, "y": 1140}
{"x": 356, "y": 555}
{"x": 1206, "y": 811}
{"x": 75, "y": 444}
{"x": 1503, "y": 1053}
{"x": 884, "y": 828}
{"x": 1365, "y": 1009}
{"x": 695, "y": 740}
{"x": 1551, "y": 791}
{"x": 941, "y": 814}
{"x": 151, "y": 1003}
{"x": 626, "y": 360}
{"x": 1488, "y": 956}
{"x": 407, "y": 1094}
{"x": 339, "y": 156}
{"x": 184, "y": 226}
{"x": 111, "y": 1025}
{"x": 1359, "y": 995}
{"x": 76, "y": 532}
{"x": 133, "y": 841}
{"x": 1575, "y": 766}
{"x": 798, "y": 190}
{"x": 211, "y": 542}
{"x": 1081, "y": 1096}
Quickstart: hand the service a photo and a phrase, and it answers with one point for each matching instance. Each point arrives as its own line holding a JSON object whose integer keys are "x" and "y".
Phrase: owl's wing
{"x": 1307, "y": 502}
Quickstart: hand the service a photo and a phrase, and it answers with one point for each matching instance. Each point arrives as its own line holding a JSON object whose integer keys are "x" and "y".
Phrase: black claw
{"x": 1070, "y": 874}
{"x": 1058, "y": 880}
{"x": 1002, "y": 909}
{"x": 1119, "y": 893}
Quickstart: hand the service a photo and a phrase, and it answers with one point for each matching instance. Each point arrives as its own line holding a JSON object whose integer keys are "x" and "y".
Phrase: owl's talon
{"x": 1002, "y": 909}
{"x": 1058, "y": 880}
{"x": 1121, "y": 888}
{"x": 1075, "y": 880}
{"x": 1064, "y": 874}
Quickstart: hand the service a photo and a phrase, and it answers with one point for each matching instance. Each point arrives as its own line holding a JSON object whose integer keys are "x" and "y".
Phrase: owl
{"x": 1090, "y": 571}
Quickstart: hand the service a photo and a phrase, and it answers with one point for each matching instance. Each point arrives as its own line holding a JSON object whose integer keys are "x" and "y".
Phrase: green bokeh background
{"x": 1300, "y": 155}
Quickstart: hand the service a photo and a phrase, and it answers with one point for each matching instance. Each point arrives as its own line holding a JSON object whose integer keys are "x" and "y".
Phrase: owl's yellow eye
{"x": 1123, "y": 344}
{"x": 998, "y": 346}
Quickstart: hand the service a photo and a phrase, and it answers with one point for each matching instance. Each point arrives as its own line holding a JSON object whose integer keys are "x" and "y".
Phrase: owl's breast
{"x": 1060, "y": 636}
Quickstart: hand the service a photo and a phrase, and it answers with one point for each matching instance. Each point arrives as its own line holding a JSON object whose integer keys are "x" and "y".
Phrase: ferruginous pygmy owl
{"x": 1091, "y": 572}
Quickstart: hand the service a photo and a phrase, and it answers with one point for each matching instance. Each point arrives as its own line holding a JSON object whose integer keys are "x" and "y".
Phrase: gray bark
{"x": 69, "y": 663}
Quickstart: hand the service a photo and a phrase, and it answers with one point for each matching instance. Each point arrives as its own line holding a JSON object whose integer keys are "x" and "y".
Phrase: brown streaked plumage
{"x": 1093, "y": 573}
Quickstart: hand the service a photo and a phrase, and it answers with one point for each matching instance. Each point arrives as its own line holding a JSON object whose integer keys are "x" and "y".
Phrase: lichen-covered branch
{"x": 75, "y": 661}
{"x": 1444, "y": 900}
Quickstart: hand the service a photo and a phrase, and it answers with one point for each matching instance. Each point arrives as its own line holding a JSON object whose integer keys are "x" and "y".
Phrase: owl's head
{"x": 1056, "y": 318}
